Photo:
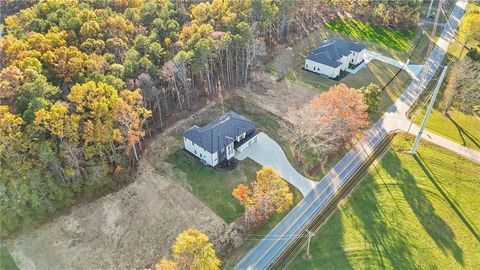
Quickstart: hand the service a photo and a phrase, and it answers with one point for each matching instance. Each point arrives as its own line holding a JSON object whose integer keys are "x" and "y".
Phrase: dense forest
{"x": 83, "y": 81}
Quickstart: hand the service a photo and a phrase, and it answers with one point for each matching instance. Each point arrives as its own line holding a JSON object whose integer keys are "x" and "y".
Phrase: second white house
{"x": 334, "y": 56}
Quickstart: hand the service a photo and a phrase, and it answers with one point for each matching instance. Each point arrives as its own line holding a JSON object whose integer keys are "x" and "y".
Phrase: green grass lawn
{"x": 6, "y": 261}
{"x": 212, "y": 186}
{"x": 408, "y": 213}
{"x": 389, "y": 37}
{"x": 456, "y": 48}
{"x": 459, "y": 127}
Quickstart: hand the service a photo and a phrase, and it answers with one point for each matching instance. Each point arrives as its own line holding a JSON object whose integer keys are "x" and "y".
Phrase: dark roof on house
{"x": 219, "y": 133}
{"x": 330, "y": 52}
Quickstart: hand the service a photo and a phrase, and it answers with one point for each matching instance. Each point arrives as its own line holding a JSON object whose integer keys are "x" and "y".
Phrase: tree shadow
{"x": 445, "y": 194}
{"x": 434, "y": 225}
{"x": 389, "y": 248}
{"x": 462, "y": 132}
{"x": 328, "y": 250}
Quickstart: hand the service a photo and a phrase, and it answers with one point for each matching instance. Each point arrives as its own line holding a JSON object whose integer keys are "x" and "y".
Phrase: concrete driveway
{"x": 412, "y": 70}
{"x": 267, "y": 152}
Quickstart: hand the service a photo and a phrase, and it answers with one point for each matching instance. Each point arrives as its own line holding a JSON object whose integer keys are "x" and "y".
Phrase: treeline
{"x": 400, "y": 14}
{"x": 82, "y": 81}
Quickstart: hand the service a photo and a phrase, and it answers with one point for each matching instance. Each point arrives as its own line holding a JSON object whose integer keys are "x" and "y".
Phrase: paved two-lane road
{"x": 269, "y": 249}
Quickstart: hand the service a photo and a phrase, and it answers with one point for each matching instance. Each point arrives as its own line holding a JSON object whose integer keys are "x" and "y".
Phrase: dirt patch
{"x": 136, "y": 226}
{"x": 131, "y": 228}
{"x": 277, "y": 97}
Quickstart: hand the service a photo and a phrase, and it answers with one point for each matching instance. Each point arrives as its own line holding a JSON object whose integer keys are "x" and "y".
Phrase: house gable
{"x": 223, "y": 131}
{"x": 332, "y": 51}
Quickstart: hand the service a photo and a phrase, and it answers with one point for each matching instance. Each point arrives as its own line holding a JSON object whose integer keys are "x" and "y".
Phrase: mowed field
{"x": 408, "y": 213}
{"x": 457, "y": 126}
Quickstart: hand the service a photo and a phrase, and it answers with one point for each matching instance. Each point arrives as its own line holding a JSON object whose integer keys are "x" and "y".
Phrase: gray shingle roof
{"x": 219, "y": 133}
{"x": 330, "y": 52}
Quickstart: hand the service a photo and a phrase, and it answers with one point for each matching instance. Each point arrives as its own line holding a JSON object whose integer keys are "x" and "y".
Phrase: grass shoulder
{"x": 457, "y": 126}
{"x": 435, "y": 196}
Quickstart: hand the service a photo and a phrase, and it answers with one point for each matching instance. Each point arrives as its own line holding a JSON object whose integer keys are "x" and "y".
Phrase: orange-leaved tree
{"x": 269, "y": 194}
{"x": 328, "y": 122}
{"x": 342, "y": 108}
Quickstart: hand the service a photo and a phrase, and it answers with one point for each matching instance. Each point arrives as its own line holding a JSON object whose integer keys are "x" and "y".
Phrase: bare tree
{"x": 254, "y": 48}
{"x": 463, "y": 87}
{"x": 307, "y": 133}
{"x": 169, "y": 73}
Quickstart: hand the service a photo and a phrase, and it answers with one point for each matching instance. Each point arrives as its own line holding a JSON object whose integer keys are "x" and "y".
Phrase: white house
{"x": 334, "y": 56}
{"x": 217, "y": 141}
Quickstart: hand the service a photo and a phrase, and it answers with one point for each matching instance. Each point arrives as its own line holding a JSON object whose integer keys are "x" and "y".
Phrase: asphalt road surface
{"x": 269, "y": 249}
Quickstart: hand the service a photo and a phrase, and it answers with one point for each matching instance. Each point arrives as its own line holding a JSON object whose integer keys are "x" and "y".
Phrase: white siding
{"x": 345, "y": 61}
{"x": 247, "y": 143}
{"x": 241, "y": 137}
{"x": 202, "y": 154}
{"x": 215, "y": 159}
{"x": 359, "y": 57}
{"x": 337, "y": 71}
{"x": 320, "y": 68}
{"x": 353, "y": 58}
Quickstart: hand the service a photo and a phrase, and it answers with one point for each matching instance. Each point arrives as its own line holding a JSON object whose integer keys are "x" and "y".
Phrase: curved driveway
{"x": 270, "y": 248}
{"x": 412, "y": 70}
{"x": 268, "y": 152}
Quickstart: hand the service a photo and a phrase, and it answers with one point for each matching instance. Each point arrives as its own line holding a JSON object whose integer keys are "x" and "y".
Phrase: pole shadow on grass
{"x": 434, "y": 225}
{"x": 463, "y": 133}
{"x": 386, "y": 244}
{"x": 456, "y": 208}
{"x": 327, "y": 250}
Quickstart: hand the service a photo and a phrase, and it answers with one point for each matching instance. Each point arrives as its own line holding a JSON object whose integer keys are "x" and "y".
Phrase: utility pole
{"x": 310, "y": 235}
{"x": 426, "y": 67}
{"x": 427, "y": 114}
{"x": 430, "y": 8}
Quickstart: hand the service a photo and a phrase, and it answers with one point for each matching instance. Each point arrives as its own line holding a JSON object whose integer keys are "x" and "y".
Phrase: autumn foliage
{"x": 328, "y": 122}
{"x": 268, "y": 194}
{"x": 343, "y": 108}
{"x": 191, "y": 251}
